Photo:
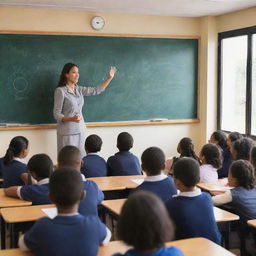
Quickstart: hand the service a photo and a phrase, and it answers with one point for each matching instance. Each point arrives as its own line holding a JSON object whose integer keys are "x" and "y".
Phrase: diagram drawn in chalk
{"x": 20, "y": 84}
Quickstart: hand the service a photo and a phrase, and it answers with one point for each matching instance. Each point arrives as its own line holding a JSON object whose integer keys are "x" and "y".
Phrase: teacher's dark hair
{"x": 16, "y": 146}
{"x": 65, "y": 70}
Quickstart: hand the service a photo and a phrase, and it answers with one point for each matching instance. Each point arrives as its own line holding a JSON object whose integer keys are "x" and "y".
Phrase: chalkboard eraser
{"x": 158, "y": 119}
{"x": 3, "y": 124}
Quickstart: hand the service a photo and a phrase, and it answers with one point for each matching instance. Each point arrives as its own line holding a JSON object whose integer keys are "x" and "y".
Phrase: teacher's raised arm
{"x": 68, "y": 104}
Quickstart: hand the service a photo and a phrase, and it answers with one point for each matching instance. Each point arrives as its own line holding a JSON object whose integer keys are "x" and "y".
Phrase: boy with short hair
{"x": 40, "y": 167}
{"x": 153, "y": 163}
{"x": 93, "y": 164}
{"x": 124, "y": 162}
{"x": 70, "y": 156}
{"x": 191, "y": 209}
{"x": 69, "y": 233}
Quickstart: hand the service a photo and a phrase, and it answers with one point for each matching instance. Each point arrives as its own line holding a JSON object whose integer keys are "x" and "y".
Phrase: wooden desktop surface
{"x": 6, "y": 201}
{"x": 252, "y": 223}
{"x": 115, "y": 206}
{"x": 220, "y": 185}
{"x": 116, "y": 182}
{"x": 24, "y": 214}
{"x": 190, "y": 247}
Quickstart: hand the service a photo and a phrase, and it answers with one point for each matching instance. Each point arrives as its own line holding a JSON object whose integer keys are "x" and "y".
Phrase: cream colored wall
{"x": 240, "y": 19}
{"x": 164, "y": 136}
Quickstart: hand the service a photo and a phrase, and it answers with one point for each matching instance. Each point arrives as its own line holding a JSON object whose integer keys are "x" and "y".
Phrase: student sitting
{"x": 241, "y": 149}
{"x": 232, "y": 137}
{"x": 14, "y": 167}
{"x": 123, "y": 162}
{"x": 69, "y": 233}
{"x": 153, "y": 160}
{"x": 211, "y": 161}
{"x": 70, "y": 156}
{"x": 144, "y": 225}
{"x": 220, "y": 139}
{"x": 191, "y": 210}
{"x": 93, "y": 164}
{"x": 40, "y": 167}
{"x": 242, "y": 198}
{"x": 185, "y": 149}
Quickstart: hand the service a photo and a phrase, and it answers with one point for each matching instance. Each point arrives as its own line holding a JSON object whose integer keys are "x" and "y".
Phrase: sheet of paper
{"x": 137, "y": 181}
{"x": 50, "y": 212}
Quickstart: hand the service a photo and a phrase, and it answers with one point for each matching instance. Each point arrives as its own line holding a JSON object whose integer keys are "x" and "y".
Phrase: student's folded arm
{"x": 223, "y": 198}
{"x": 12, "y": 191}
{"x": 22, "y": 244}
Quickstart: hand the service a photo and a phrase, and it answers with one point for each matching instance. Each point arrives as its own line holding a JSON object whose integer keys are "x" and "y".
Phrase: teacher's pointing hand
{"x": 112, "y": 72}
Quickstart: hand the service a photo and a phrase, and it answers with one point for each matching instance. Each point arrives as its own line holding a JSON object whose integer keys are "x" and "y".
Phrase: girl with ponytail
{"x": 14, "y": 167}
{"x": 185, "y": 149}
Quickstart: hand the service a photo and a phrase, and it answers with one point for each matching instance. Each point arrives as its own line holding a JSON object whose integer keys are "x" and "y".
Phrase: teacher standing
{"x": 68, "y": 104}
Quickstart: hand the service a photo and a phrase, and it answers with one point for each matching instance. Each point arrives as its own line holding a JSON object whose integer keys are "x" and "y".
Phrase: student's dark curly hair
{"x": 233, "y": 136}
{"x": 253, "y": 157}
{"x": 93, "y": 143}
{"x": 144, "y": 222}
{"x": 212, "y": 155}
{"x": 242, "y": 148}
{"x": 243, "y": 172}
{"x": 221, "y": 138}
{"x": 186, "y": 148}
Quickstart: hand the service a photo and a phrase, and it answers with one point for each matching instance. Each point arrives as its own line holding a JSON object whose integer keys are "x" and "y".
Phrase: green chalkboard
{"x": 157, "y": 77}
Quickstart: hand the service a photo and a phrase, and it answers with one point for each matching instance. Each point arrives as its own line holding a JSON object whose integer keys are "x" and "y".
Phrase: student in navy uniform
{"x": 14, "y": 167}
{"x": 124, "y": 162}
{"x": 93, "y": 164}
{"x": 185, "y": 149}
{"x": 242, "y": 198}
{"x": 153, "y": 162}
{"x": 220, "y": 138}
{"x": 191, "y": 210}
{"x": 241, "y": 149}
{"x": 70, "y": 156}
{"x": 40, "y": 167}
{"x": 144, "y": 224}
{"x": 69, "y": 233}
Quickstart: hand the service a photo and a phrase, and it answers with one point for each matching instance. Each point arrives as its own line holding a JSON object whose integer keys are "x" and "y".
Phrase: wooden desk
{"x": 252, "y": 223}
{"x": 190, "y": 247}
{"x": 6, "y": 201}
{"x": 217, "y": 186}
{"x": 116, "y": 182}
{"x": 115, "y": 207}
{"x": 24, "y": 214}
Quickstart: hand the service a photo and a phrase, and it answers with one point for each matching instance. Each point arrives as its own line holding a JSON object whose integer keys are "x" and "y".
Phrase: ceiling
{"x": 184, "y": 8}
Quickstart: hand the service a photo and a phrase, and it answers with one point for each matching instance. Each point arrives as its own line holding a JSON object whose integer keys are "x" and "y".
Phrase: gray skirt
{"x": 76, "y": 140}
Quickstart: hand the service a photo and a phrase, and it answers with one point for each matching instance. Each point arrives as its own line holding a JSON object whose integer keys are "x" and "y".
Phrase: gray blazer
{"x": 69, "y": 103}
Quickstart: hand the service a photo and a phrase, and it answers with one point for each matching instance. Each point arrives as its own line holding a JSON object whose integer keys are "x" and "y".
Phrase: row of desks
{"x": 189, "y": 247}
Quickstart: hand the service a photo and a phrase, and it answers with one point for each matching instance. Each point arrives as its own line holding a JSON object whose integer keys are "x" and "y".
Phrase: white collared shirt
{"x": 208, "y": 173}
{"x": 196, "y": 192}
{"x": 156, "y": 177}
{"x": 83, "y": 177}
{"x": 22, "y": 160}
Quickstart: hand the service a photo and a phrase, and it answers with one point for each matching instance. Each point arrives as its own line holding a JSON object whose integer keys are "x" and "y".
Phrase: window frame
{"x": 249, "y": 31}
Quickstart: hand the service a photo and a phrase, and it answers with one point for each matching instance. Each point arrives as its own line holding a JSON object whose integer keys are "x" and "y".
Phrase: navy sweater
{"x": 194, "y": 217}
{"x": 123, "y": 163}
{"x": 94, "y": 166}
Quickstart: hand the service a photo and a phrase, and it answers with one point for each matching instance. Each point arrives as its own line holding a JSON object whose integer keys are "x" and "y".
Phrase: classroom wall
{"x": 164, "y": 136}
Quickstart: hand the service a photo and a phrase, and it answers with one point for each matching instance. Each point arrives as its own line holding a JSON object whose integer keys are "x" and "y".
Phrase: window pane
{"x": 234, "y": 55}
{"x": 253, "y": 125}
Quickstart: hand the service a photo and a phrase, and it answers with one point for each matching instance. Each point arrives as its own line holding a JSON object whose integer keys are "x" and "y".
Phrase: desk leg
{"x": 224, "y": 228}
{"x": 3, "y": 234}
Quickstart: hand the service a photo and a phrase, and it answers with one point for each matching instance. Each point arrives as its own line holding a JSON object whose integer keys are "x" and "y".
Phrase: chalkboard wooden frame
{"x": 108, "y": 124}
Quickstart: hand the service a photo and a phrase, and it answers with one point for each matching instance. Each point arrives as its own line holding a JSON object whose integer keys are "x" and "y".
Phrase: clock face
{"x": 97, "y": 22}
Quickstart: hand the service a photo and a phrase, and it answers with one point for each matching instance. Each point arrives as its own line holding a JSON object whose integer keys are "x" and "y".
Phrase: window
{"x": 237, "y": 81}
